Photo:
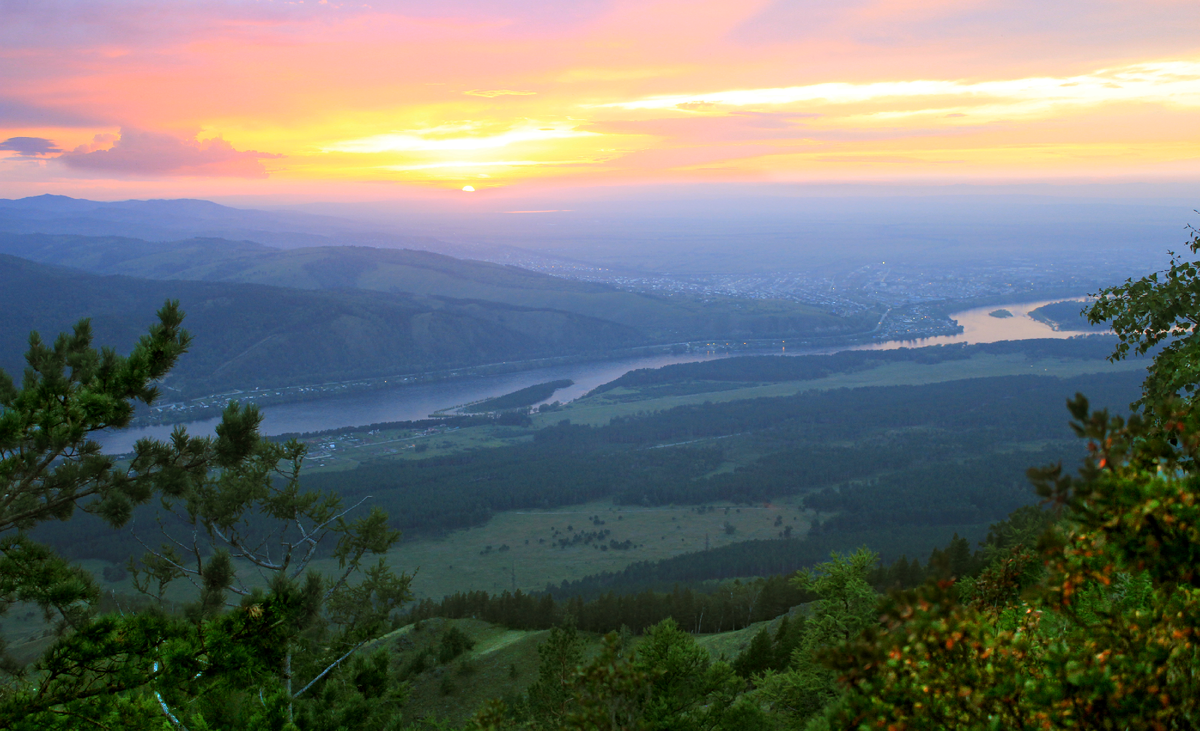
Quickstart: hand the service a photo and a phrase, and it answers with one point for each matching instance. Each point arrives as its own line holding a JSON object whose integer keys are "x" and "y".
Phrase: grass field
{"x": 347, "y": 451}
{"x": 729, "y": 645}
{"x": 519, "y": 549}
{"x": 25, "y": 631}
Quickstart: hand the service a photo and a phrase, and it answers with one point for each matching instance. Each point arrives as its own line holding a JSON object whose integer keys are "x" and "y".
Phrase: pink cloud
{"x": 137, "y": 152}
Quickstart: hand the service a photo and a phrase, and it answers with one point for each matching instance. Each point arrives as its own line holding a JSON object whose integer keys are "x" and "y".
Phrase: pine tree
{"x": 142, "y": 668}
{"x": 551, "y": 697}
{"x": 758, "y": 656}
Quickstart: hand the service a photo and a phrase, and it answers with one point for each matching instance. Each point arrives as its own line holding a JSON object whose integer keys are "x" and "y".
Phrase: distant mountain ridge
{"x": 182, "y": 218}
{"x": 270, "y": 308}
{"x": 249, "y": 335}
{"x": 658, "y": 318}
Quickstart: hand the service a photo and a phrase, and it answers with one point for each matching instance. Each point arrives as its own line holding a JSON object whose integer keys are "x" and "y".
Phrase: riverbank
{"x": 210, "y": 406}
{"x": 386, "y": 400}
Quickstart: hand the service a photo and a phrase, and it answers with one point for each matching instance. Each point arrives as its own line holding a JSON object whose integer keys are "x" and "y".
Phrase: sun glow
{"x": 468, "y": 164}
{"x": 434, "y": 141}
{"x": 369, "y": 95}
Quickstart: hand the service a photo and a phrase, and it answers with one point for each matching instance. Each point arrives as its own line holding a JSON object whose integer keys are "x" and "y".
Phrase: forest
{"x": 768, "y": 369}
{"x": 915, "y": 434}
{"x": 1071, "y": 603}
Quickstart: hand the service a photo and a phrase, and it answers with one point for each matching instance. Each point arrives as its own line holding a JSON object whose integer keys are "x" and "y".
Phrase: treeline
{"x": 1004, "y": 408}
{"x": 762, "y": 558}
{"x": 778, "y": 368}
{"x": 699, "y": 608}
{"x": 527, "y": 396}
{"x": 450, "y": 421}
{"x": 729, "y": 607}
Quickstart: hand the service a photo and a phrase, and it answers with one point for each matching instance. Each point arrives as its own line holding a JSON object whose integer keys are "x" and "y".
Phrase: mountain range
{"x": 163, "y": 220}
{"x": 266, "y": 315}
{"x": 248, "y": 335}
{"x": 659, "y": 318}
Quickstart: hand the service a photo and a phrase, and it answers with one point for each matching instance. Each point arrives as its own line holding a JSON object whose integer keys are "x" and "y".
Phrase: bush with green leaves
{"x": 1097, "y": 626}
{"x": 1105, "y": 639}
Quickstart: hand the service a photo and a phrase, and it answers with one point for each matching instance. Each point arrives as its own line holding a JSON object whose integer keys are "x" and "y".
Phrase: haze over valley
{"x": 446, "y": 312}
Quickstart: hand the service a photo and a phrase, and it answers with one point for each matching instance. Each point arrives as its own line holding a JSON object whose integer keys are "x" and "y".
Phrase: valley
{"x": 727, "y": 443}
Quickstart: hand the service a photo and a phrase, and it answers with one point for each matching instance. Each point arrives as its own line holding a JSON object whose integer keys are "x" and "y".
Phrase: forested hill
{"x": 426, "y": 273}
{"x": 250, "y": 335}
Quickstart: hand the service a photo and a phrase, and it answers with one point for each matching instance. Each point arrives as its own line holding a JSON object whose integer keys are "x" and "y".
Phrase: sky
{"x": 322, "y": 99}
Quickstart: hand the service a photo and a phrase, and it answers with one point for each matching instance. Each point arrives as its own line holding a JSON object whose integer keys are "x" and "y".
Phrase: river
{"x": 407, "y": 403}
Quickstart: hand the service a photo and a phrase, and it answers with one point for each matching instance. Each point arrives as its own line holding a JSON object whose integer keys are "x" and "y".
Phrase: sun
{"x": 468, "y": 189}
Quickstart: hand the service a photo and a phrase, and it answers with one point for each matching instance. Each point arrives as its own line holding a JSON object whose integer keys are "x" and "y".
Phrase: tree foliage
{"x": 667, "y": 683}
{"x": 1162, "y": 307}
{"x": 164, "y": 662}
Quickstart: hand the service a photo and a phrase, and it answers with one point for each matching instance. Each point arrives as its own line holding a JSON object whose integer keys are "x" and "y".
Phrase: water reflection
{"x": 417, "y": 402}
{"x": 980, "y": 327}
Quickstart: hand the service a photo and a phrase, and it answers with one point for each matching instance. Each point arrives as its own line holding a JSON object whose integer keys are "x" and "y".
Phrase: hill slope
{"x": 253, "y": 335}
{"x": 426, "y": 273}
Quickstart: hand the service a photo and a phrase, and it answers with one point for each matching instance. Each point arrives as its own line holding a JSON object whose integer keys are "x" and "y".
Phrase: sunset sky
{"x": 312, "y": 98}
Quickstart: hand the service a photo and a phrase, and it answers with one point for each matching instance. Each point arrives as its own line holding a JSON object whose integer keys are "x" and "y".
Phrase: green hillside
{"x": 500, "y": 663}
{"x": 426, "y": 273}
{"x": 253, "y": 335}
